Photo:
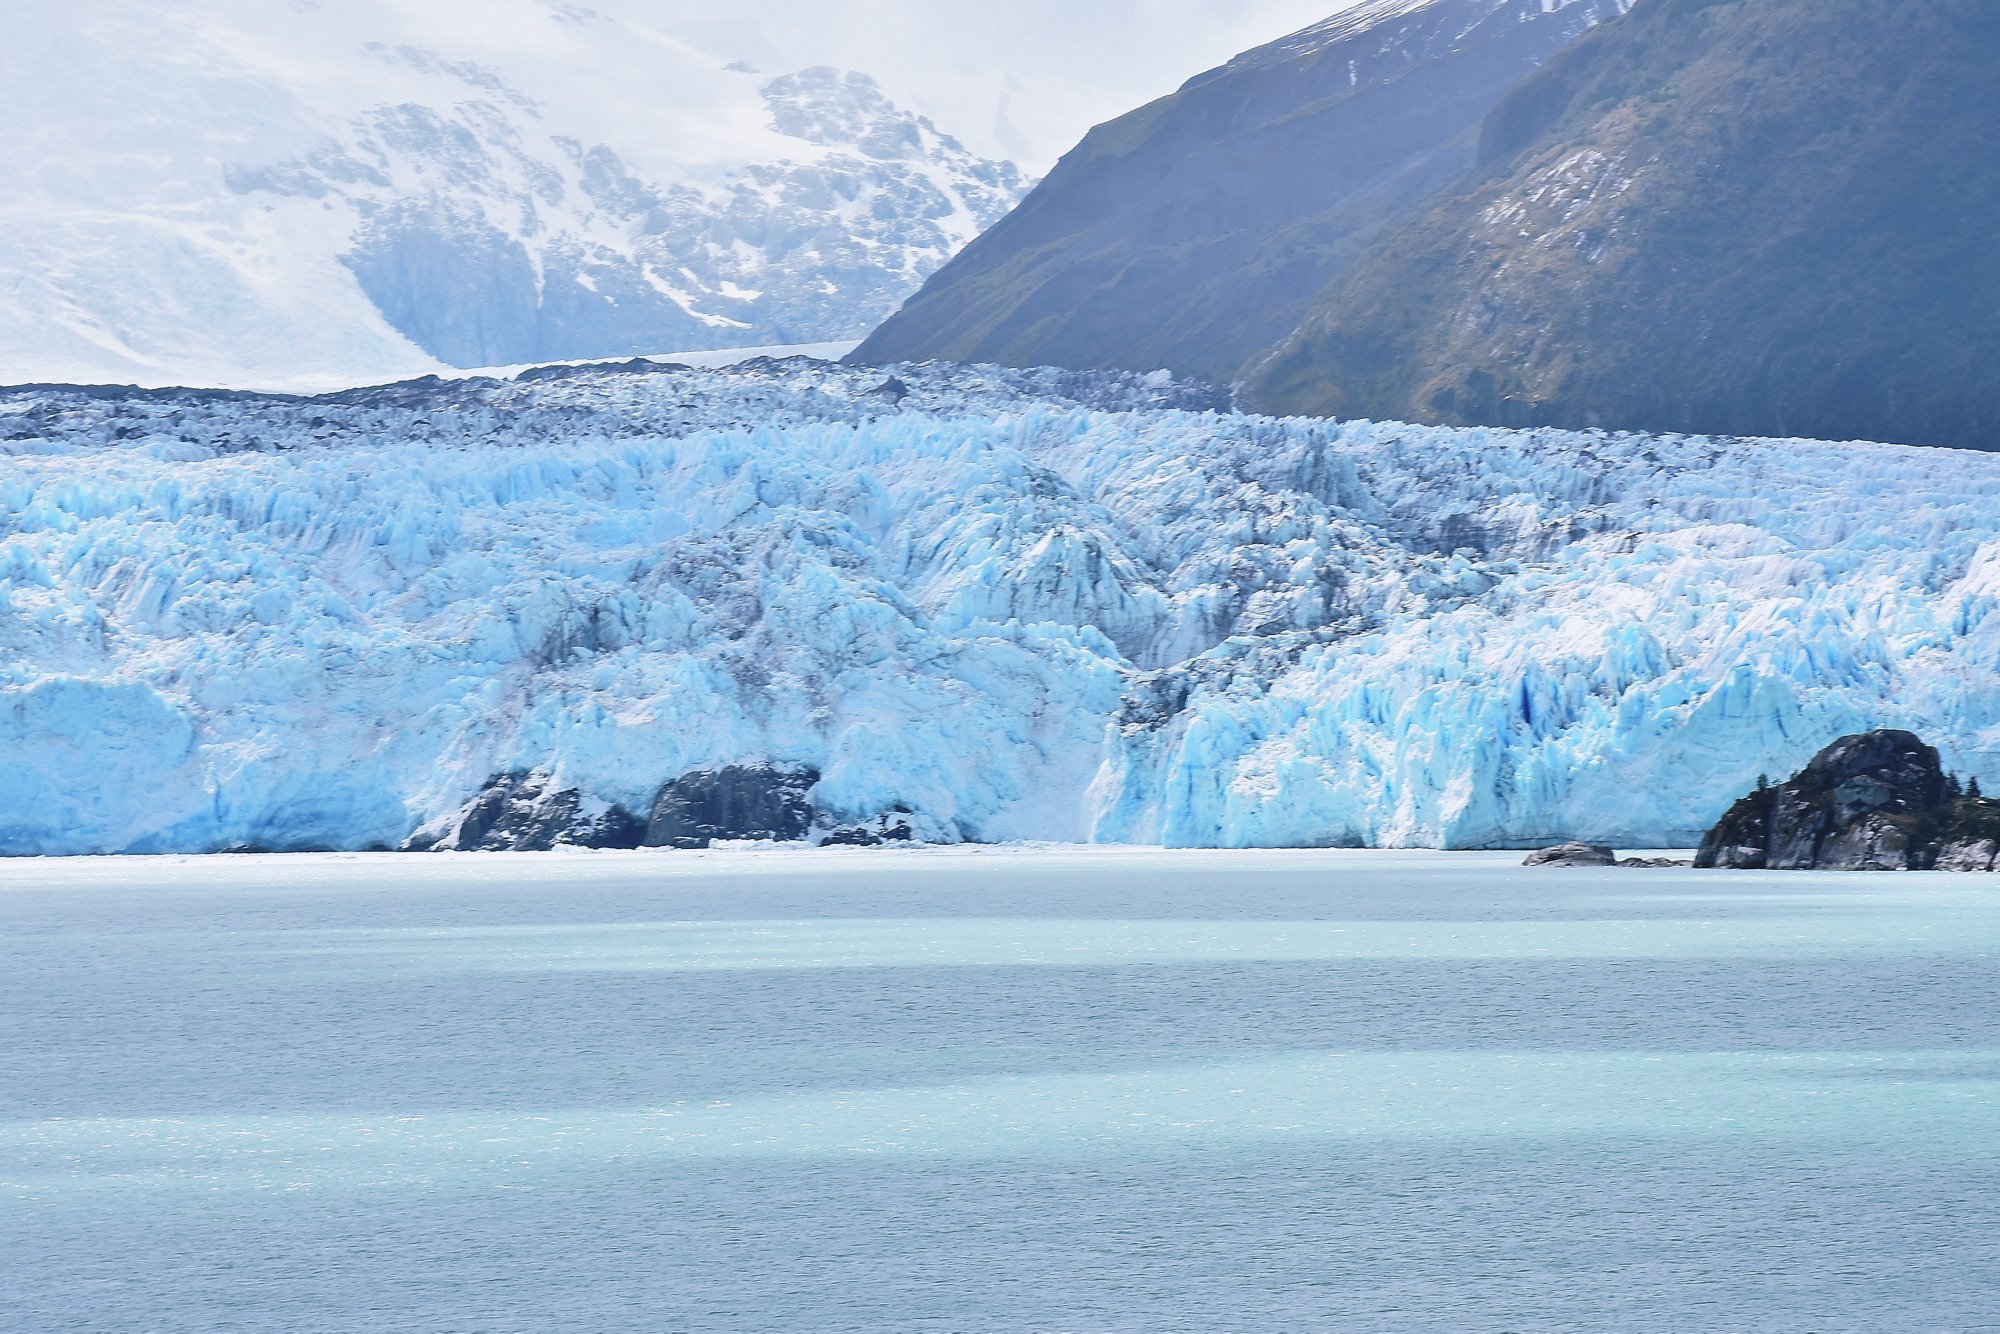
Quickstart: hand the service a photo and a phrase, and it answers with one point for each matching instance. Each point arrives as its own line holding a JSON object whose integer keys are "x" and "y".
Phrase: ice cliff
{"x": 1008, "y": 604}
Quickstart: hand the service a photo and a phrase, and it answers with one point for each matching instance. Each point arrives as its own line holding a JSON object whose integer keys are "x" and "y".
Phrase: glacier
{"x": 1014, "y": 605}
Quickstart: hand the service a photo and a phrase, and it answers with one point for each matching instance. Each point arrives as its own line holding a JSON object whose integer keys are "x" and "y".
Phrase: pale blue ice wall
{"x": 1024, "y": 605}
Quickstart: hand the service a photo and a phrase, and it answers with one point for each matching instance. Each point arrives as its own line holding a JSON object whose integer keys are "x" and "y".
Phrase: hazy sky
{"x": 1014, "y": 78}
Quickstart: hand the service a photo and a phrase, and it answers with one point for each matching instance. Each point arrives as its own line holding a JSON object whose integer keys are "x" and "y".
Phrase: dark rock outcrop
{"x": 1573, "y": 854}
{"x": 521, "y": 812}
{"x": 1596, "y": 854}
{"x": 891, "y": 828}
{"x": 1879, "y": 801}
{"x": 738, "y": 802}
{"x": 524, "y": 812}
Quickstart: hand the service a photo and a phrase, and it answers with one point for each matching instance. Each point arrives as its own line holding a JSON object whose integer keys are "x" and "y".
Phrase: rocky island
{"x": 1880, "y": 801}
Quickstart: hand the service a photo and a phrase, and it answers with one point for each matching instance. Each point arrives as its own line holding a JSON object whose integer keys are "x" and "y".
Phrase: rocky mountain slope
{"x": 1195, "y": 233}
{"x": 244, "y": 193}
{"x": 1735, "y": 216}
{"x": 648, "y": 604}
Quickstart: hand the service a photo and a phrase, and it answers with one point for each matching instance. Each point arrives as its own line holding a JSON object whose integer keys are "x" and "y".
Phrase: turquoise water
{"x": 994, "y": 1091}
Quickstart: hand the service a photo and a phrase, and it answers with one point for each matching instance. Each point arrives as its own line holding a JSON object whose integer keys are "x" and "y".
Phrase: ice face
{"x": 1019, "y": 604}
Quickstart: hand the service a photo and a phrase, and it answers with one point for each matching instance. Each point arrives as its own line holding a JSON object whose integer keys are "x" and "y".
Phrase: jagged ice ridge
{"x": 1019, "y": 605}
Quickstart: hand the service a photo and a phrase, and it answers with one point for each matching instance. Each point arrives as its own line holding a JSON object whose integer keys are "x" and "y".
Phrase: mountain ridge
{"x": 1723, "y": 217}
{"x": 1193, "y": 233}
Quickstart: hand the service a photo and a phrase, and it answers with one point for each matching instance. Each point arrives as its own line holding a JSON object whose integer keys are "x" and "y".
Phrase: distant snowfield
{"x": 1015, "y": 606}
{"x": 301, "y": 197}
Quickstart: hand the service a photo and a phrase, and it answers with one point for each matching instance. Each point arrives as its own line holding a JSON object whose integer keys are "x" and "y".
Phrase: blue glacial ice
{"x": 1020, "y": 605}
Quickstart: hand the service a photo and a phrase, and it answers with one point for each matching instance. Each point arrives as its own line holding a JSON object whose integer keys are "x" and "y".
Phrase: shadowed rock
{"x": 891, "y": 828}
{"x": 520, "y": 812}
{"x": 739, "y": 802}
{"x": 1573, "y": 854}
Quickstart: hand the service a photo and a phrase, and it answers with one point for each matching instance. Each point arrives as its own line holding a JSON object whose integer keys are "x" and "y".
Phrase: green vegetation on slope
{"x": 1771, "y": 217}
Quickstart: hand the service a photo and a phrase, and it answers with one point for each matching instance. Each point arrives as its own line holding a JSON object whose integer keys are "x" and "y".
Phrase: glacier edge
{"x": 1020, "y": 605}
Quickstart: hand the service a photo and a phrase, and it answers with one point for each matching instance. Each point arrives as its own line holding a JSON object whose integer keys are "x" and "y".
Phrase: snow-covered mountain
{"x": 986, "y": 604}
{"x": 289, "y": 193}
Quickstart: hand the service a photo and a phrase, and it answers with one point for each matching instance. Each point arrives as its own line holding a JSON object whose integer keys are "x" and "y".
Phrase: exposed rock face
{"x": 1980, "y": 855}
{"x": 525, "y": 812}
{"x": 1725, "y": 217}
{"x": 1573, "y": 854}
{"x": 739, "y": 802}
{"x": 892, "y": 828}
{"x": 1875, "y": 802}
{"x": 519, "y": 812}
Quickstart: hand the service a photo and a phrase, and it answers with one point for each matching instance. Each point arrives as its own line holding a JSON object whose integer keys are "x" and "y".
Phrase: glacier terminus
{"x": 982, "y": 604}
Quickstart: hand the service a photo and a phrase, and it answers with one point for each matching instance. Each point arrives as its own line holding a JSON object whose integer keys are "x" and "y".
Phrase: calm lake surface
{"x": 1035, "y": 1090}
